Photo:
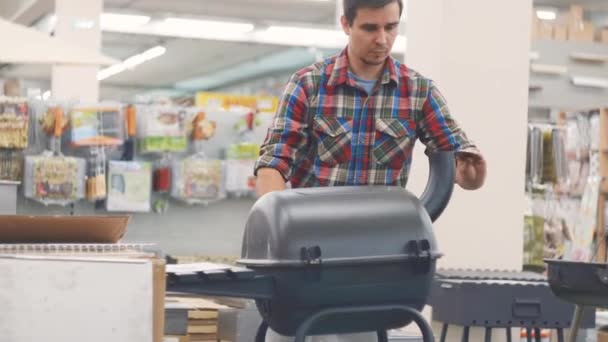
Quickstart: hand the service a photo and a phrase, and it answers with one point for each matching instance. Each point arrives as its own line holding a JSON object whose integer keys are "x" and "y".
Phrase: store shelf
{"x": 589, "y": 57}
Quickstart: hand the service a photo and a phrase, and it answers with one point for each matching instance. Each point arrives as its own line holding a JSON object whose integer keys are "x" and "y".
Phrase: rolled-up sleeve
{"x": 288, "y": 134}
{"x": 437, "y": 129}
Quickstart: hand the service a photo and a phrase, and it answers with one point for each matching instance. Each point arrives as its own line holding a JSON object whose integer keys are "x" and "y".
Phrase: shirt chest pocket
{"x": 392, "y": 140}
{"x": 334, "y": 136}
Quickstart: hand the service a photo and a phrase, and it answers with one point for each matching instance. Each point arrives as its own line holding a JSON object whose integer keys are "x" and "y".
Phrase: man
{"x": 353, "y": 119}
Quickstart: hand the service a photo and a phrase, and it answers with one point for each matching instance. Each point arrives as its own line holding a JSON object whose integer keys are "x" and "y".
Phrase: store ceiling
{"x": 186, "y": 60}
{"x": 196, "y": 62}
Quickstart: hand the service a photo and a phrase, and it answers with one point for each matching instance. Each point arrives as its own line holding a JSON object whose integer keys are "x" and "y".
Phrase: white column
{"x": 478, "y": 52}
{"x": 339, "y": 12}
{"x": 78, "y": 23}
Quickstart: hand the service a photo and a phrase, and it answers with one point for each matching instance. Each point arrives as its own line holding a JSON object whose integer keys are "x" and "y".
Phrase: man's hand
{"x": 268, "y": 180}
{"x": 470, "y": 170}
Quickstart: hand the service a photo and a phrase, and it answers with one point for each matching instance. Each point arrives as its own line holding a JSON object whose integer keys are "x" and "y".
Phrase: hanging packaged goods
{"x": 54, "y": 179}
{"x": 214, "y": 101}
{"x": 14, "y": 123}
{"x": 97, "y": 125}
{"x": 162, "y": 129}
{"x": 129, "y": 186}
{"x": 198, "y": 179}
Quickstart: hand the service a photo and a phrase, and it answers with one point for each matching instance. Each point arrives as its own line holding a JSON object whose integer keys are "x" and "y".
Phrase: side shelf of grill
{"x": 219, "y": 281}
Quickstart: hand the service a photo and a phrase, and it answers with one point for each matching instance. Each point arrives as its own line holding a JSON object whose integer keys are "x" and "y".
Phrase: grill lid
{"x": 348, "y": 225}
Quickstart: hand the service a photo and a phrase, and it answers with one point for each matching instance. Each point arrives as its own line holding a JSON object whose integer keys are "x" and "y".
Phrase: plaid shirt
{"x": 328, "y": 131}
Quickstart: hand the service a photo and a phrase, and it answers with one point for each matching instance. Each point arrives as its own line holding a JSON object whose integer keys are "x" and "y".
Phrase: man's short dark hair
{"x": 351, "y": 7}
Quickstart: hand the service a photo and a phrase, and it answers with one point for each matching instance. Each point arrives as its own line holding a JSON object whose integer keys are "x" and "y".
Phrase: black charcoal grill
{"x": 336, "y": 260}
{"x": 582, "y": 283}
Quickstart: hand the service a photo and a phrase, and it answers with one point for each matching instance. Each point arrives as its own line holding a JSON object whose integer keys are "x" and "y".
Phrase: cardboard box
{"x": 603, "y": 36}
{"x": 176, "y": 339}
{"x": 62, "y": 229}
{"x": 583, "y": 32}
{"x": 602, "y": 334}
{"x": 545, "y": 30}
{"x": 577, "y": 13}
{"x": 560, "y": 32}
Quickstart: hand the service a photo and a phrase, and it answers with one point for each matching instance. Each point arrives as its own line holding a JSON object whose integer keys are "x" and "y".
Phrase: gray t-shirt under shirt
{"x": 365, "y": 84}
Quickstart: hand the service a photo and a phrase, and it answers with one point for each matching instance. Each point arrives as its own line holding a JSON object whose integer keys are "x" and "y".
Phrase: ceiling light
{"x": 546, "y": 14}
{"x": 110, "y": 71}
{"x": 145, "y": 56}
{"x": 131, "y": 62}
{"x": 303, "y": 35}
{"x": 192, "y": 25}
{"x": 108, "y": 20}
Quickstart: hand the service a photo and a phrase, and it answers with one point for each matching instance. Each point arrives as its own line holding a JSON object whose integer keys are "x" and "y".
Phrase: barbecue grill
{"x": 336, "y": 260}
{"x": 581, "y": 283}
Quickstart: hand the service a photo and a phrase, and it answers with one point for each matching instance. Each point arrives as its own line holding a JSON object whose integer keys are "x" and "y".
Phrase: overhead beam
{"x": 30, "y": 11}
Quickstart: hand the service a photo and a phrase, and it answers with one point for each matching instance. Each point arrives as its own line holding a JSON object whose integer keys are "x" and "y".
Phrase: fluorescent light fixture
{"x": 214, "y": 26}
{"x": 591, "y": 82}
{"x": 145, "y": 56}
{"x": 131, "y": 62}
{"x": 546, "y": 14}
{"x": 303, "y": 36}
{"x": 319, "y": 37}
{"x": 122, "y": 20}
{"x": 548, "y": 69}
{"x": 111, "y": 71}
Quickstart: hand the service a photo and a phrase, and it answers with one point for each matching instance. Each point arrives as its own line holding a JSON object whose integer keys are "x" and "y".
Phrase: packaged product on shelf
{"x": 96, "y": 179}
{"x": 14, "y": 123}
{"x": 239, "y": 176}
{"x": 162, "y": 129}
{"x": 129, "y": 186}
{"x": 201, "y": 127}
{"x": 162, "y": 175}
{"x": 96, "y": 125}
{"x": 11, "y": 166}
{"x": 244, "y": 150}
{"x": 48, "y": 121}
{"x": 197, "y": 179}
{"x": 54, "y": 179}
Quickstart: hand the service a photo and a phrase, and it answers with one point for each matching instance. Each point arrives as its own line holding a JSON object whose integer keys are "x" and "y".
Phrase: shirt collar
{"x": 338, "y": 75}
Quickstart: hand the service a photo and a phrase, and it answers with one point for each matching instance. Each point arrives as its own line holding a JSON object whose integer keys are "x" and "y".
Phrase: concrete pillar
{"x": 339, "y": 12}
{"x": 478, "y": 53}
{"x": 78, "y": 23}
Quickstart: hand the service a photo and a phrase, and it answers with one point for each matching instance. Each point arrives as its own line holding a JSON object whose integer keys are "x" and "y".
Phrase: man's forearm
{"x": 268, "y": 180}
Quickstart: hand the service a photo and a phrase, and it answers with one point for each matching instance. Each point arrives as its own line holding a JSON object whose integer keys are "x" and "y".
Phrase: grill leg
{"x": 444, "y": 332}
{"x": 465, "y": 334}
{"x": 260, "y": 336}
{"x": 509, "y": 338}
{"x": 560, "y": 335}
{"x": 382, "y": 336}
{"x": 529, "y": 334}
{"x": 425, "y": 328}
{"x": 576, "y": 323}
{"x": 488, "y": 336}
{"x": 537, "y": 337}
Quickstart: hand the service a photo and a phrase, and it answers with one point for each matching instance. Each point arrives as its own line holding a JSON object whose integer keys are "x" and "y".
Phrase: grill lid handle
{"x": 438, "y": 191}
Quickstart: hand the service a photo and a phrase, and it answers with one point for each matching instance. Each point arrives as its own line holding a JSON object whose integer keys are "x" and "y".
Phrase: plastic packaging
{"x": 161, "y": 129}
{"x": 162, "y": 175}
{"x": 96, "y": 180}
{"x": 198, "y": 179}
{"x": 129, "y": 186}
{"x": 96, "y": 125}
{"x": 55, "y": 180}
{"x": 14, "y": 122}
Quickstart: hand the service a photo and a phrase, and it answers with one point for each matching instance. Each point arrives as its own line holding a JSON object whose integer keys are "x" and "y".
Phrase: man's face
{"x": 373, "y": 33}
